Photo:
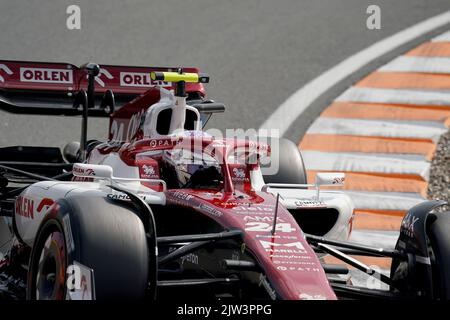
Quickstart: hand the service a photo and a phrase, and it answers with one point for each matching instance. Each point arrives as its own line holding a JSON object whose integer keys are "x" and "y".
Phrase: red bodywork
{"x": 290, "y": 264}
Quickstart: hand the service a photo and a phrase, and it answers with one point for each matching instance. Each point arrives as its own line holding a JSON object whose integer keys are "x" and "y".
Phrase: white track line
{"x": 378, "y": 128}
{"x": 438, "y": 98}
{"x": 362, "y": 162}
{"x": 418, "y": 64}
{"x": 291, "y": 109}
{"x": 370, "y": 200}
{"x": 380, "y": 239}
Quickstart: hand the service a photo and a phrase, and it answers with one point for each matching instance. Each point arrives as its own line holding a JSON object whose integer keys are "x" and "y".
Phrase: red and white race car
{"x": 163, "y": 205}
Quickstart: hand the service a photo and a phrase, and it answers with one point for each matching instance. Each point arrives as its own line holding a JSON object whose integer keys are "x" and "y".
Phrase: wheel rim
{"x": 51, "y": 268}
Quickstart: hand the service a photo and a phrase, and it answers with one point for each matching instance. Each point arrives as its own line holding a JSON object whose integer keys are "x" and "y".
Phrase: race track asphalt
{"x": 257, "y": 52}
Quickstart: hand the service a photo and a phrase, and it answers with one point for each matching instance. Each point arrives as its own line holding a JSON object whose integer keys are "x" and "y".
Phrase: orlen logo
{"x": 140, "y": 79}
{"x": 4, "y": 67}
{"x": 44, "y": 204}
{"x": 25, "y": 206}
{"x": 46, "y": 75}
{"x": 82, "y": 171}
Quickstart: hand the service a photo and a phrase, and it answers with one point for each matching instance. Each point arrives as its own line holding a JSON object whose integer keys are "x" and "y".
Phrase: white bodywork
{"x": 306, "y": 199}
{"x": 28, "y": 214}
{"x": 298, "y": 197}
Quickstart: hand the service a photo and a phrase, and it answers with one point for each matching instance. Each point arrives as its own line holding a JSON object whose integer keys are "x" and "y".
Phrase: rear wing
{"x": 51, "y": 88}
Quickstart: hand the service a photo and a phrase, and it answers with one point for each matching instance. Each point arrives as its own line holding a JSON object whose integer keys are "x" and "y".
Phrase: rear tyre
{"x": 291, "y": 168}
{"x": 98, "y": 233}
{"x": 439, "y": 237}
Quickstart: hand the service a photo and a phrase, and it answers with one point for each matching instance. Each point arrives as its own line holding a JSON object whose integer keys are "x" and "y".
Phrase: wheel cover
{"x": 51, "y": 268}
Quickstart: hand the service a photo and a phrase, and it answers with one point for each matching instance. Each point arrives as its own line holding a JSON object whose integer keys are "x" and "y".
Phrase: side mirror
{"x": 330, "y": 179}
{"x": 92, "y": 171}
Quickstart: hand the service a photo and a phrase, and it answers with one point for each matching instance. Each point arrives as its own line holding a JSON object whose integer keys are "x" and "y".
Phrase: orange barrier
{"x": 343, "y": 143}
{"x": 354, "y": 110}
{"x": 385, "y": 220}
{"x": 405, "y": 80}
{"x": 431, "y": 49}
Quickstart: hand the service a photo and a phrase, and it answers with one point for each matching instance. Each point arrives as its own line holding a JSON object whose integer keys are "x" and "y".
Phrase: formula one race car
{"x": 162, "y": 206}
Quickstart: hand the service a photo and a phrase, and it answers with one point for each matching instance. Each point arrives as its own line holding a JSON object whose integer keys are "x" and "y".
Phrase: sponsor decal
{"x": 85, "y": 173}
{"x": 106, "y": 74}
{"x": 182, "y": 196}
{"x": 266, "y": 227}
{"x": 44, "y": 204}
{"x": 296, "y": 269}
{"x": 149, "y": 171}
{"x": 292, "y": 262}
{"x": 274, "y": 247}
{"x": 254, "y": 209}
{"x": 156, "y": 143}
{"x": 283, "y": 257}
{"x": 210, "y": 210}
{"x": 6, "y": 69}
{"x": 276, "y": 236}
{"x": 24, "y": 207}
{"x": 305, "y": 203}
{"x": 122, "y": 196}
{"x": 46, "y": 75}
{"x": 82, "y": 171}
{"x": 191, "y": 257}
{"x": 239, "y": 175}
{"x": 262, "y": 219}
{"x": 68, "y": 233}
{"x": 140, "y": 79}
{"x": 82, "y": 179}
{"x": 305, "y": 263}
{"x": 232, "y": 204}
{"x": 338, "y": 180}
{"x": 118, "y": 196}
{"x": 408, "y": 225}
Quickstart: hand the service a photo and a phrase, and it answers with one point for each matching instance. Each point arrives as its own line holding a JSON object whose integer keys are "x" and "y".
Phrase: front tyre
{"x": 439, "y": 237}
{"x": 291, "y": 168}
{"x": 105, "y": 237}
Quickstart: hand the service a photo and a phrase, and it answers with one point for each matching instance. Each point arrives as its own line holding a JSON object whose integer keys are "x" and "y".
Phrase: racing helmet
{"x": 193, "y": 169}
